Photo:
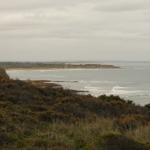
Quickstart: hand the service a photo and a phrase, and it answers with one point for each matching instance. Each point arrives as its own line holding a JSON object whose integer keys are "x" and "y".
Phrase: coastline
{"x": 56, "y": 69}
{"x": 34, "y": 112}
{"x": 53, "y": 66}
{"x": 53, "y": 69}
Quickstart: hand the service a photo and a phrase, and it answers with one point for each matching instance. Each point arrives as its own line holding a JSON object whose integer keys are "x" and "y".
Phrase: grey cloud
{"x": 38, "y": 4}
{"x": 70, "y": 24}
{"x": 123, "y": 6}
{"x": 99, "y": 25}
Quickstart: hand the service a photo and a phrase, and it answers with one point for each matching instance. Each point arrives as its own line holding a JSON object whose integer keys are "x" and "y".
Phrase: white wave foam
{"x": 96, "y": 81}
{"x": 92, "y": 88}
{"x": 118, "y": 90}
{"x": 95, "y": 91}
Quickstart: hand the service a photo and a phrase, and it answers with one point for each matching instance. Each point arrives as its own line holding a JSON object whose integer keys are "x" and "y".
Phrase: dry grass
{"x": 82, "y": 135}
{"x": 141, "y": 134}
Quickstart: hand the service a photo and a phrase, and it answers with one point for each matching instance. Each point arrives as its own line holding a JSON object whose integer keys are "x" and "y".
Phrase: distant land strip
{"x": 42, "y": 65}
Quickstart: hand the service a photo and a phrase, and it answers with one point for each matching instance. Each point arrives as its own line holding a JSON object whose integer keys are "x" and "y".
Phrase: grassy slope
{"x": 43, "y": 116}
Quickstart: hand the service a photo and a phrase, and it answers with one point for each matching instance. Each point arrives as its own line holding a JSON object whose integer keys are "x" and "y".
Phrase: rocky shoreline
{"x": 43, "y": 116}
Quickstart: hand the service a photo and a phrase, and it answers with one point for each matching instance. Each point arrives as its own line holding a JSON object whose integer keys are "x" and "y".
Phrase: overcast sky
{"x": 49, "y": 30}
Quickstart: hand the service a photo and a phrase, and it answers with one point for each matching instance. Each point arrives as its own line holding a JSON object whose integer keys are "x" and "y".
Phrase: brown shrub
{"x": 129, "y": 122}
{"x": 119, "y": 142}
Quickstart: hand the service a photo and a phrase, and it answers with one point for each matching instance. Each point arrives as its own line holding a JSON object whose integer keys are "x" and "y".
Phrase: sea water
{"x": 131, "y": 81}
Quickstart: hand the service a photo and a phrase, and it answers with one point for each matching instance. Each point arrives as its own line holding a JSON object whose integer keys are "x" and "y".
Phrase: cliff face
{"x": 3, "y": 74}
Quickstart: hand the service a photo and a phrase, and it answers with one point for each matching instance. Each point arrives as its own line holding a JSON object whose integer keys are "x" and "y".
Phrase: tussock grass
{"x": 62, "y": 136}
{"x": 141, "y": 134}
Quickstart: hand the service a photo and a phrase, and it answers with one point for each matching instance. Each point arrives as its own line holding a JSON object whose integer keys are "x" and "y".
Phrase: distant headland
{"x": 55, "y": 65}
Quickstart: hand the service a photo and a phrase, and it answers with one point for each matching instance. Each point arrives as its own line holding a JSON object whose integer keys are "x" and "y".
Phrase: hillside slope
{"x": 38, "y": 115}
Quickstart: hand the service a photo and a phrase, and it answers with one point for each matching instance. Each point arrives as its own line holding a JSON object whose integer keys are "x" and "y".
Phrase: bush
{"x": 119, "y": 142}
{"x": 130, "y": 122}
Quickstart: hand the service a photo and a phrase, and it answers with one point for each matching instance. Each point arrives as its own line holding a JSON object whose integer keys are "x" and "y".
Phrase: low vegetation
{"x": 54, "y": 65}
{"x": 40, "y": 116}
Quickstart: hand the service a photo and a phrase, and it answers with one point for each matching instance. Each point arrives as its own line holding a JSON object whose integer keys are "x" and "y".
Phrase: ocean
{"x": 131, "y": 82}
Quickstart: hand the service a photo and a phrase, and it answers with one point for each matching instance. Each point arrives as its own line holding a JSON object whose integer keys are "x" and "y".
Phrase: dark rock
{"x": 3, "y": 74}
